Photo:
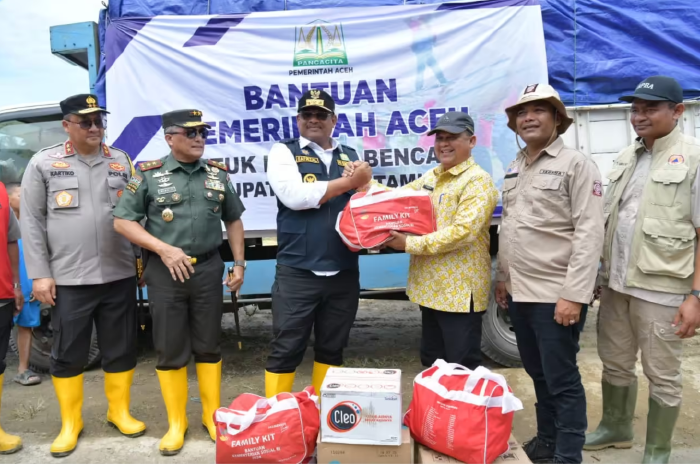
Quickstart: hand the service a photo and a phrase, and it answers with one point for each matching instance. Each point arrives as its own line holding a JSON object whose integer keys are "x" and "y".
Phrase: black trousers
{"x": 186, "y": 316}
{"x": 548, "y": 352}
{"x": 6, "y": 315}
{"x": 453, "y": 337}
{"x": 301, "y": 300}
{"x": 111, "y": 307}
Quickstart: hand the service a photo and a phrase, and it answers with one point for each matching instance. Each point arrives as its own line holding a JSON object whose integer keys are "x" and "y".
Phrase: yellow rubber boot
{"x": 69, "y": 392}
{"x": 8, "y": 443}
{"x": 118, "y": 393}
{"x": 173, "y": 386}
{"x": 318, "y": 375}
{"x": 209, "y": 379}
{"x": 278, "y": 383}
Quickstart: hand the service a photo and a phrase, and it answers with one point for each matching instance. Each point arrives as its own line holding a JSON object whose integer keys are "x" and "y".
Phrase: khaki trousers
{"x": 627, "y": 324}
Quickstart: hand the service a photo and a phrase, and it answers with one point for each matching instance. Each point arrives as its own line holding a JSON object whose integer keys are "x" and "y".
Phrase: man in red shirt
{"x": 11, "y": 298}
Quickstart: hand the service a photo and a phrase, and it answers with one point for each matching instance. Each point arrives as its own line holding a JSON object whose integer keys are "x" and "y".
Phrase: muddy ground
{"x": 386, "y": 334}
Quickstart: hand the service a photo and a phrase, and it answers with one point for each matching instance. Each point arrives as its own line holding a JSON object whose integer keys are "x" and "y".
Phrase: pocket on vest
{"x": 668, "y": 248}
{"x": 665, "y": 184}
{"x": 292, "y": 232}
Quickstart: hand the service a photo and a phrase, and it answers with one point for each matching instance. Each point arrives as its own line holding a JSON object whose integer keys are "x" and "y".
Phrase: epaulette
{"x": 217, "y": 164}
{"x": 148, "y": 165}
{"x": 47, "y": 148}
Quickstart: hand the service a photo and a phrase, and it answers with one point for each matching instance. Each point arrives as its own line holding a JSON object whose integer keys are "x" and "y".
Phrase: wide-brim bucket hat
{"x": 540, "y": 92}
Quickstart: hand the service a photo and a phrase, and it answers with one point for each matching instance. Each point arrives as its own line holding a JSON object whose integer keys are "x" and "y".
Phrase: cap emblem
{"x": 315, "y": 99}
{"x": 91, "y": 102}
{"x": 195, "y": 113}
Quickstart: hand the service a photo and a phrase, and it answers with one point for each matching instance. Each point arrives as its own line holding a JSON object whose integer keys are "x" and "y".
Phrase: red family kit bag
{"x": 369, "y": 217}
{"x": 281, "y": 429}
{"x": 462, "y": 413}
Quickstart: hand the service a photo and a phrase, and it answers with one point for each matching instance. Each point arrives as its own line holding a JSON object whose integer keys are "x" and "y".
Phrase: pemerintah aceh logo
{"x": 319, "y": 43}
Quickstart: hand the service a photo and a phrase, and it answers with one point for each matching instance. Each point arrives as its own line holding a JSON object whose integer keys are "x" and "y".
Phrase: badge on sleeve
{"x": 597, "y": 188}
{"x": 230, "y": 185}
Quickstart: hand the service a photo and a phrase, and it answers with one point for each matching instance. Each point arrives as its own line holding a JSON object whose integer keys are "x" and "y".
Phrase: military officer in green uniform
{"x": 184, "y": 199}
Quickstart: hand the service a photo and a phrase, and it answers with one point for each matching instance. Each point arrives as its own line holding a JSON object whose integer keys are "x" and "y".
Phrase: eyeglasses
{"x": 193, "y": 133}
{"x": 86, "y": 124}
{"x": 321, "y": 116}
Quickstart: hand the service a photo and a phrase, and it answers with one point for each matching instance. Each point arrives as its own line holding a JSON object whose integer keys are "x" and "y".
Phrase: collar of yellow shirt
{"x": 455, "y": 170}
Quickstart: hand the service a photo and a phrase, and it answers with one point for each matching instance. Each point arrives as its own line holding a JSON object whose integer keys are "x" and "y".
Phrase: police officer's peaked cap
{"x": 184, "y": 118}
{"x": 316, "y": 98}
{"x": 84, "y": 103}
{"x": 536, "y": 92}
{"x": 657, "y": 88}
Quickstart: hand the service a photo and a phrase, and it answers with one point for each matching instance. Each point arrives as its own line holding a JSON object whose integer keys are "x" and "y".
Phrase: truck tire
{"x": 497, "y": 336}
{"x": 41, "y": 346}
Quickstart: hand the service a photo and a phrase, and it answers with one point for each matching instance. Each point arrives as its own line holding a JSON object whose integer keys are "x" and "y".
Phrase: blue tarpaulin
{"x": 597, "y": 50}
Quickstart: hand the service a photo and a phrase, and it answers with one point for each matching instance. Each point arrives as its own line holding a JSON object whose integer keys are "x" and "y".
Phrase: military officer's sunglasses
{"x": 86, "y": 124}
{"x": 321, "y": 116}
{"x": 192, "y": 133}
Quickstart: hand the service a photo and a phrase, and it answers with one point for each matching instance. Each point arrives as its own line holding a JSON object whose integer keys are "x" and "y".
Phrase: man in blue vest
{"x": 317, "y": 281}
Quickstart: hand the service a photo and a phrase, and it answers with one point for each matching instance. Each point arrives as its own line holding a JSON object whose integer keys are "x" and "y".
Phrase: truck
{"x": 600, "y": 131}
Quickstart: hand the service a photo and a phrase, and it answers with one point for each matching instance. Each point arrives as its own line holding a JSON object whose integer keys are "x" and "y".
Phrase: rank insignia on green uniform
{"x": 344, "y": 157}
{"x": 216, "y": 164}
{"x": 163, "y": 191}
{"x": 160, "y": 200}
{"x": 134, "y": 184}
{"x": 214, "y": 185}
{"x": 176, "y": 197}
{"x": 148, "y": 165}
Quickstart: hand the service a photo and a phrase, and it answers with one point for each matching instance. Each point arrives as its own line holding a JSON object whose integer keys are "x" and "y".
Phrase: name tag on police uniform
{"x": 214, "y": 185}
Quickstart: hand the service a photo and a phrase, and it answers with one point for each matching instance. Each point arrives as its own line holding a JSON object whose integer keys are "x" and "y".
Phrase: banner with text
{"x": 393, "y": 72}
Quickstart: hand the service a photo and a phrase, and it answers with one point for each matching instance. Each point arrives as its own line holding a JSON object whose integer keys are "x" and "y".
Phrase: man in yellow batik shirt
{"x": 450, "y": 271}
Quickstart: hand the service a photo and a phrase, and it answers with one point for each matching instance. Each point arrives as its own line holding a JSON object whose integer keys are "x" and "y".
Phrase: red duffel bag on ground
{"x": 281, "y": 429}
{"x": 369, "y": 217}
{"x": 462, "y": 413}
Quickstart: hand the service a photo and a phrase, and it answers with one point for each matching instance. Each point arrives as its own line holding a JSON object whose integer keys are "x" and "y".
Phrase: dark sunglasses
{"x": 192, "y": 133}
{"x": 86, "y": 124}
{"x": 321, "y": 116}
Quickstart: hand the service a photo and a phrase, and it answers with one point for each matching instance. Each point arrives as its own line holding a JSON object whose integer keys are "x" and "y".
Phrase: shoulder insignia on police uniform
{"x": 148, "y": 165}
{"x": 216, "y": 164}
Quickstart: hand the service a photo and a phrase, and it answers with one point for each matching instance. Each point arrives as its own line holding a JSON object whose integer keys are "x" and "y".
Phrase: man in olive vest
{"x": 650, "y": 273}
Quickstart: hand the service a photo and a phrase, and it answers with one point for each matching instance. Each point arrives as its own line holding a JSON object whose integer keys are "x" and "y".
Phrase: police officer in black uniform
{"x": 317, "y": 277}
{"x": 185, "y": 198}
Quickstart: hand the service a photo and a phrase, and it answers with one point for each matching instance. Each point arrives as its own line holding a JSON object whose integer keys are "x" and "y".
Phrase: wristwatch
{"x": 695, "y": 293}
{"x": 240, "y": 263}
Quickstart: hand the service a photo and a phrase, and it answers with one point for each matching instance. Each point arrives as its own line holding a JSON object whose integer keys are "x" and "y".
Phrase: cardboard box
{"x": 338, "y": 453}
{"x": 388, "y": 374}
{"x": 361, "y": 407}
{"x": 516, "y": 455}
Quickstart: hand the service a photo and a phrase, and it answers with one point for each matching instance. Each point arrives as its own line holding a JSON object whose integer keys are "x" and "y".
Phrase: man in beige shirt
{"x": 549, "y": 249}
{"x": 650, "y": 298}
